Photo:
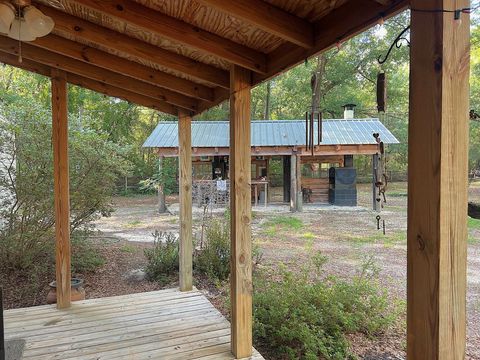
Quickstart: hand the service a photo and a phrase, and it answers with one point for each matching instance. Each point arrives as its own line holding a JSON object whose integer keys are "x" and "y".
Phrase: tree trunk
{"x": 162, "y": 208}
{"x": 266, "y": 115}
{"x": 317, "y": 82}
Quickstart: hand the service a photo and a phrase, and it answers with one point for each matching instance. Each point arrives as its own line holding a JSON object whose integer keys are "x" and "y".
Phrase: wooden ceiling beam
{"x": 268, "y": 18}
{"x": 355, "y": 17}
{"x": 339, "y": 25}
{"x": 122, "y": 66}
{"x": 93, "y": 72}
{"x": 96, "y": 34}
{"x": 168, "y": 27}
{"x": 90, "y": 84}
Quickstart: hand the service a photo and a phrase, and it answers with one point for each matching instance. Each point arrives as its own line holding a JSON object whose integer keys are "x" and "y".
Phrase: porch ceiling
{"x": 177, "y": 53}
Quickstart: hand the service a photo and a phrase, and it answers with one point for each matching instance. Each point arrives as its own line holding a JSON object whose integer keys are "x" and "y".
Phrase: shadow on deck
{"x": 166, "y": 324}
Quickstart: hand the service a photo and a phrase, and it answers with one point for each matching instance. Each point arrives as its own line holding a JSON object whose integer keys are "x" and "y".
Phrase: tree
{"x": 95, "y": 162}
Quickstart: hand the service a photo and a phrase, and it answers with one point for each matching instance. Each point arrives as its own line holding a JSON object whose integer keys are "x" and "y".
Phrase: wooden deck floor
{"x": 165, "y": 324}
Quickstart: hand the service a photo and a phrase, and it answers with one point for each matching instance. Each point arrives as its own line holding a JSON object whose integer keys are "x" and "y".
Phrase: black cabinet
{"x": 342, "y": 186}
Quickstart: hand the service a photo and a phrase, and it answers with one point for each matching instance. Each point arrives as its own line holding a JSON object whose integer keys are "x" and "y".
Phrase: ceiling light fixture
{"x": 22, "y": 21}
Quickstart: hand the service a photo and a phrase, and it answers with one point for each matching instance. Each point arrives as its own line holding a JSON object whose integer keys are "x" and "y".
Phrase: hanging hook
{"x": 397, "y": 43}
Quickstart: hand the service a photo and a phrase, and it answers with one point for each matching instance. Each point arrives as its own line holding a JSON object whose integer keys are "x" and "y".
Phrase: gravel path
{"x": 347, "y": 236}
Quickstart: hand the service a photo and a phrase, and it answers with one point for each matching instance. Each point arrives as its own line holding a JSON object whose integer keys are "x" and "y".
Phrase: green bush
{"x": 305, "y": 316}
{"x": 162, "y": 259}
{"x": 85, "y": 255}
{"x": 214, "y": 258}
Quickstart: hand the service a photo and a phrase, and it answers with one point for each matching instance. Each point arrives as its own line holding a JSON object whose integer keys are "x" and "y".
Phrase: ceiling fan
{"x": 20, "y": 20}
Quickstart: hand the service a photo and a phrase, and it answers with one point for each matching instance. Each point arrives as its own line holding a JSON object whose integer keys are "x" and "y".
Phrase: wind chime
{"x": 380, "y": 179}
{"x": 310, "y": 118}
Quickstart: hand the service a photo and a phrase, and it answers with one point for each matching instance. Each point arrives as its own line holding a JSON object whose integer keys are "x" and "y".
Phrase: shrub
{"x": 162, "y": 259}
{"x": 304, "y": 316}
{"x": 214, "y": 258}
{"x": 27, "y": 216}
{"x": 85, "y": 255}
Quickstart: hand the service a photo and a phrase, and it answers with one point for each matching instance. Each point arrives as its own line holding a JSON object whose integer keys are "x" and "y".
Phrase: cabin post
{"x": 437, "y": 181}
{"x": 240, "y": 208}
{"x": 185, "y": 198}
{"x": 375, "y": 189}
{"x": 162, "y": 207}
{"x": 61, "y": 187}
{"x": 293, "y": 183}
{"x": 299, "y": 199}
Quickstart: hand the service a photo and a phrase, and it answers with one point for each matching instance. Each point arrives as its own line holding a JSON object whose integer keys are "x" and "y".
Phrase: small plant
{"x": 213, "y": 256}
{"x": 305, "y": 316}
{"x": 213, "y": 259}
{"x": 162, "y": 259}
{"x": 85, "y": 256}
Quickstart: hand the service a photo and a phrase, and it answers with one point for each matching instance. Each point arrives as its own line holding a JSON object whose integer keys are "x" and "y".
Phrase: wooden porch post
{"x": 185, "y": 196}
{"x": 437, "y": 181}
{"x": 293, "y": 183}
{"x": 61, "y": 187}
{"x": 240, "y": 208}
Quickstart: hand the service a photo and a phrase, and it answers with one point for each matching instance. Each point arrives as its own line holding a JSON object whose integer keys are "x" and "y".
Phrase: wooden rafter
{"x": 90, "y": 71}
{"x": 181, "y": 32}
{"x": 339, "y": 25}
{"x": 268, "y": 18}
{"x": 120, "y": 65}
{"x": 96, "y": 34}
{"x": 327, "y": 150}
{"x": 94, "y": 85}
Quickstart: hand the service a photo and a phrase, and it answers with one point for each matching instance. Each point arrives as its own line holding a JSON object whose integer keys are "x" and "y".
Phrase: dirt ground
{"x": 348, "y": 236}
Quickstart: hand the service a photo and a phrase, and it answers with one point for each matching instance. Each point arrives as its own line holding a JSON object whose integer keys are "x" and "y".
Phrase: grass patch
{"x": 133, "y": 223}
{"x": 308, "y": 235}
{"x": 279, "y": 224}
{"x": 127, "y": 249}
{"x": 286, "y": 222}
{"x": 388, "y": 240}
{"x": 473, "y": 224}
{"x": 397, "y": 194}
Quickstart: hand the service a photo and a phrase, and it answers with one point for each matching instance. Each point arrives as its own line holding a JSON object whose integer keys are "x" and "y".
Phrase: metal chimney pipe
{"x": 349, "y": 111}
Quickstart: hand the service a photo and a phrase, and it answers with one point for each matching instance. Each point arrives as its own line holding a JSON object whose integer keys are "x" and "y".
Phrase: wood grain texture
{"x": 268, "y": 18}
{"x": 61, "y": 187}
{"x": 322, "y": 150}
{"x": 341, "y": 24}
{"x": 159, "y": 24}
{"x": 215, "y": 21}
{"x": 93, "y": 72}
{"x": 437, "y": 193}
{"x": 165, "y": 324}
{"x": 241, "y": 287}
{"x": 122, "y": 66}
{"x": 185, "y": 198}
{"x": 131, "y": 44}
{"x": 90, "y": 84}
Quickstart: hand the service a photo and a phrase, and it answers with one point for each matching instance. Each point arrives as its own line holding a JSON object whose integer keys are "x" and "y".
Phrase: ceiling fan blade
{"x": 54, "y": 3}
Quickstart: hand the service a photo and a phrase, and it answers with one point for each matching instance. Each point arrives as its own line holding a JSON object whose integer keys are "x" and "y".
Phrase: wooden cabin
{"x": 182, "y": 57}
{"x": 280, "y": 141}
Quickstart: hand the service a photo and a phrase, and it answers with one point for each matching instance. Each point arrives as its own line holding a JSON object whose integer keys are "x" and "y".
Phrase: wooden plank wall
{"x": 185, "y": 196}
{"x": 61, "y": 187}
{"x": 437, "y": 180}
{"x": 240, "y": 207}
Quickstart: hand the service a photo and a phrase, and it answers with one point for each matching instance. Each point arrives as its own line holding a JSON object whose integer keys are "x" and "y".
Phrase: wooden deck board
{"x": 166, "y": 324}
